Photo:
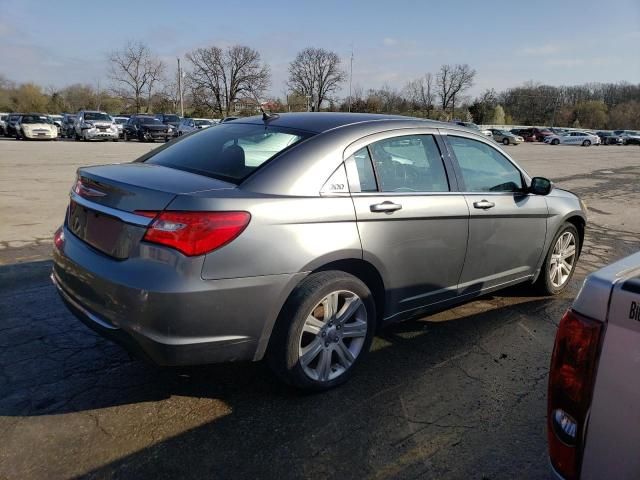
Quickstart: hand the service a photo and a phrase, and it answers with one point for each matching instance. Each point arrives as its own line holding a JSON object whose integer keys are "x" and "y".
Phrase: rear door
{"x": 412, "y": 223}
{"x": 507, "y": 226}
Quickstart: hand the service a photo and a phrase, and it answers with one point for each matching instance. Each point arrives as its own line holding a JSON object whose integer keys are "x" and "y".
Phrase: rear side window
{"x": 483, "y": 168}
{"x": 229, "y": 152}
{"x": 366, "y": 177}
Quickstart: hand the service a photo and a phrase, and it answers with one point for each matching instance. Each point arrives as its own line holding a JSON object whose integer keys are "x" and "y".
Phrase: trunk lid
{"x": 105, "y": 198}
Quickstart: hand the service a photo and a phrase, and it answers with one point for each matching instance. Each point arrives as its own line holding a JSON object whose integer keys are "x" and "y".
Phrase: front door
{"x": 413, "y": 228}
{"x": 507, "y": 226}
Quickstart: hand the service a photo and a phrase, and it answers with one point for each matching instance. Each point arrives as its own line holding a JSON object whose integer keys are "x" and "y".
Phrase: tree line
{"x": 234, "y": 80}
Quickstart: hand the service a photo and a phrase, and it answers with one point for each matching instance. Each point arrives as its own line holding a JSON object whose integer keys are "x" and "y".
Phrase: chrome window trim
{"x": 126, "y": 217}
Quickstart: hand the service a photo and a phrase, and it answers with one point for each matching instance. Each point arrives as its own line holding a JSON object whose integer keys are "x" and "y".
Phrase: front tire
{"x": 560, "y": 262}
{"x": 323, "y": 331}
{"x": 555, "y": 141}
{"x": 586, "y": 143}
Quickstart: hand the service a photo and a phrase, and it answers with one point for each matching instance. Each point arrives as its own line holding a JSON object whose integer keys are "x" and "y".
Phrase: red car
{"x": 535, "y": 134}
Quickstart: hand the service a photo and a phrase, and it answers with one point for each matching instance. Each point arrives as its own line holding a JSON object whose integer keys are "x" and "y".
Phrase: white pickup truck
{"x": 593, "y": 414}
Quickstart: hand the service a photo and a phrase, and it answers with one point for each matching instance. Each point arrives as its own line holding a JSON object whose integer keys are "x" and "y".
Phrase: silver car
{"x": 93, "y": 125}
{"x": 295, "y": 237}
{"x": 594, "y": 390}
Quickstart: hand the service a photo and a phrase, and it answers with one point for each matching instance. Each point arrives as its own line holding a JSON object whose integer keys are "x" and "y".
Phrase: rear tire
{"x": 553, "y": 277}
{"x": 505, "y": 141}
{"x": 319, "y": 338}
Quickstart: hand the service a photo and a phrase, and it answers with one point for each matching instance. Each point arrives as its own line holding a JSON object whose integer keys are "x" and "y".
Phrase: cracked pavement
{"x": 460, "y": 394}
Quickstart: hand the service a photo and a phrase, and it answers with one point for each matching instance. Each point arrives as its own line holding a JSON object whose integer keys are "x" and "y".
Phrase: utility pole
{"x": 350, "y": 77}
{"x": 180, "y": 89}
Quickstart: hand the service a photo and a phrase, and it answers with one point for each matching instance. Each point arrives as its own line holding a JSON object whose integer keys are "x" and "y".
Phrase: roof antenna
{"x": 265, "y": 116}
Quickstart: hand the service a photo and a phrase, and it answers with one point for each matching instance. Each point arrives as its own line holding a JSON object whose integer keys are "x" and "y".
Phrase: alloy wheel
{"x": 333, "y": 336}
{"x": 563, "y": 259}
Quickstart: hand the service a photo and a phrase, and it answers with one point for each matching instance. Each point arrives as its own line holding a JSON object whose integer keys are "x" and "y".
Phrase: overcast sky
{"x": 55, "y": 43}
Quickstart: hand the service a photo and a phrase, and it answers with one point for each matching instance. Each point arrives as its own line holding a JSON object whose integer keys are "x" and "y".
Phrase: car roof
{"x": 319, "y": 122}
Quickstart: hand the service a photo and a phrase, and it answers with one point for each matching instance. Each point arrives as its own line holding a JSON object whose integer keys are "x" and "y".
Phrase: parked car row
{"x": 89, "y": 125}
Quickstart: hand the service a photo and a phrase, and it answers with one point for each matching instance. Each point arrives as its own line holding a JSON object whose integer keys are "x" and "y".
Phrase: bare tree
{"x": 452, "y": 81}
{"x": 421, "y": 93}
{"x": 219, "y": 76}
{"x": 315, "y": 73}
{"x": 135, "y": 71}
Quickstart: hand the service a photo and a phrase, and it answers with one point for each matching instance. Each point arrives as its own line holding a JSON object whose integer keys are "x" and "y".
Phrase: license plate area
{"x": 103, "y": 232}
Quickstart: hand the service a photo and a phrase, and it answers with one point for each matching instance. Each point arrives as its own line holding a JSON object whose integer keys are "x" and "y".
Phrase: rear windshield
{"x": 228, "y": 152}
{"x": 96, "y": 116}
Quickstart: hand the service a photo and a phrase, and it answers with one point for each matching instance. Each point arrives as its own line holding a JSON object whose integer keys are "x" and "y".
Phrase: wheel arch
{"x": 581, "y": 225}
{"x": 357, "y": 267}
{"x": 578, "y": 221}
{"x": 365, "y": 272}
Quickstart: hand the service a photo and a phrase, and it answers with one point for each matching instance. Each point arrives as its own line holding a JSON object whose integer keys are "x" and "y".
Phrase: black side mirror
{"x": 540, "y": 186}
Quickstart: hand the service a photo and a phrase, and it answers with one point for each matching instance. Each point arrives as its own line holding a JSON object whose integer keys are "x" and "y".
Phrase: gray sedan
{"x": 505, "y": 137}
{"x": 294, "y": 237}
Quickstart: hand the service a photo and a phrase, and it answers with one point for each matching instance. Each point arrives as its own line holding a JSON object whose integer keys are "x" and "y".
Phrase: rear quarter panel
{"x": 285, "y": 234}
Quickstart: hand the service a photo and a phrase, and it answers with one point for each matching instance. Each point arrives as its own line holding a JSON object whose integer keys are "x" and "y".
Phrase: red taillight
{"x": 571, "y": 378}
{"x": 194, "y": 233}
{"x": 58, "y": 238}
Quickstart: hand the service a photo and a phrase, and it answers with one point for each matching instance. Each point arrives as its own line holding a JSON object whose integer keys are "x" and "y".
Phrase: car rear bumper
{"x": 157, "y": 313}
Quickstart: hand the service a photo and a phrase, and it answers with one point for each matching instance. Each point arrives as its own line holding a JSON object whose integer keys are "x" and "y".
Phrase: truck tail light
{"x": 571, "y": 379}
{"x": 194, "y": 233}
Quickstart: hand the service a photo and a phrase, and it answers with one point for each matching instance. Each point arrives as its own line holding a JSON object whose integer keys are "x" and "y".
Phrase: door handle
{"x": 484, "y": 204}
{"x": 385, "y": 207}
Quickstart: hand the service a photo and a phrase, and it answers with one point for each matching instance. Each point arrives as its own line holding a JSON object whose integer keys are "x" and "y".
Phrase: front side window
{"x": 409, "y": 164}
{"x": 230, "y": 152}
{"x": 483, "y": 168}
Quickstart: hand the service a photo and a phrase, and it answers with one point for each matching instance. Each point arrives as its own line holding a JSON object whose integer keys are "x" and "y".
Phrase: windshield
{"x": 201, "y": 123}
{"x": 229, "y": 152}
{"x": 90, "y": 116}
{"x": 149, "y": 121}
{"x": 171, "y": 118}
{"x": 120, "y": 121}
{"x": 35, "y": 119}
